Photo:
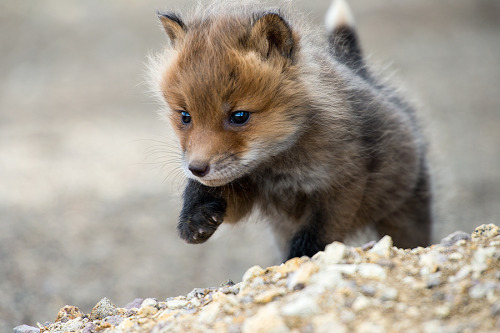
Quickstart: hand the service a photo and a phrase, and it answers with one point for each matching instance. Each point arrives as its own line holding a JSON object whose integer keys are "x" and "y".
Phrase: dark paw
{"x": 202, "y": 212}
{"x": 197, "y": 226}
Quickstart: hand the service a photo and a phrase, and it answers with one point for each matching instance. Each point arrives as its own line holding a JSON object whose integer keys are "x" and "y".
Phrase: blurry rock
{"x": 300, "y": 278}
{"x": 114, "y": 320}
{"x": 382, "y": 247}
{"x": 136, "y": 303}
{"x": 103, "y": 309}
{"x": 26, "y": 329}
{"x": 266, "y": 320}
{"x": 304, "y": 305}
{"x": 372, "y": 271}
{"x": 68, "y": 312}
{"x": 455, "y": 237}
{"x": 149, "y": 302}
{"x": 485, "y": 231}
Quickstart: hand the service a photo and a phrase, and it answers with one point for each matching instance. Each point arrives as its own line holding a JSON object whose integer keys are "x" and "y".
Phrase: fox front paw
{"x": 202, "y": 213}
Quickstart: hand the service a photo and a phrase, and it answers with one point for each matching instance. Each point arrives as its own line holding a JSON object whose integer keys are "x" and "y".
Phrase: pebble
{"x": 301, "y": 277}
{"x": 455, "y": 237}
{"x": 361, "y": 302}
{"x": 383, "y": 247}
{"x": 149, "y": 302}
{"x": 177, "y": 304}
{"x": 209, "y": 313}
{"x": 89, "y": 328}
{"x": 372, "y": 271}
{"x": 480, "y": 259}
{"x": 68, "y": 312}
{"x": 103, "y": 309}
{"x": 333, "y": 254}
{"x": 269, "y": 295}
{"x": 26, "y": 329}
{"x": 389, "y": 294}
{"x": 72, "y": 325}
{"x": 266, "y": 320}
{"x": 251, "y": 273}
{"x": 328, "y": 324}
{"x": 485, "y": 231}
{"x": 114, "y": 320}
{"x": 135, "y": 304}
{"x": 304, "y": 305}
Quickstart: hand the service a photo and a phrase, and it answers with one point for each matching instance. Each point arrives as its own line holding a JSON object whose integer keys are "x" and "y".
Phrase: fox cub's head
{"x": 233, "y": 92}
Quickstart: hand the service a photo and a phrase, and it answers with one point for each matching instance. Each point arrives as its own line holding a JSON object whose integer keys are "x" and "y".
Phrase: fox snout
{"x": 199, "y": 168}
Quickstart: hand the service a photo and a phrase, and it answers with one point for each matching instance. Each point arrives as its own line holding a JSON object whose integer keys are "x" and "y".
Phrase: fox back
{"x": 272, "y": 117}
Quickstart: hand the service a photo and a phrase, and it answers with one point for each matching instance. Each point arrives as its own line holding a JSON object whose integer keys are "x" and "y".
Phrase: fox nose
{"x": 199, "y": 169}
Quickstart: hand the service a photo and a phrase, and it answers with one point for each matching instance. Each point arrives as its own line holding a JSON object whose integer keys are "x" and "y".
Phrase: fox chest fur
{"x": 271, "y": 118}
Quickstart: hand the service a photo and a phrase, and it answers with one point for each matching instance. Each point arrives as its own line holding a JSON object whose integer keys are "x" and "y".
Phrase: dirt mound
{"x": 449, "y": 287}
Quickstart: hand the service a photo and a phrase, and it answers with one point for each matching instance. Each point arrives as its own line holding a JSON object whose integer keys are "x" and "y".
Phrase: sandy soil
{"x": 88, "y": 192}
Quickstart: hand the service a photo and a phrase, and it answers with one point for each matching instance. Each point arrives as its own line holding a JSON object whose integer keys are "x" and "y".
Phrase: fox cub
{"x": 271, "y": 117}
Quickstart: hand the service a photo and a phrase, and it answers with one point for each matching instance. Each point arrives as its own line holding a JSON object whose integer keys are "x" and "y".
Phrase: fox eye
{"x": 185, "y": 117}
{"x": 239, "y": 117}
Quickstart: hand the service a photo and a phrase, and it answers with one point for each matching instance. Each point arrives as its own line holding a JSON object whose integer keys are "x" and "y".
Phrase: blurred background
{"x": 89, "y": 197}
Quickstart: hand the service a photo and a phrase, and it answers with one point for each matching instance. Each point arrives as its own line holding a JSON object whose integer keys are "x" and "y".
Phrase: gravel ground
{"x": 88, "y": 189}
{"x": 450, "y": 287}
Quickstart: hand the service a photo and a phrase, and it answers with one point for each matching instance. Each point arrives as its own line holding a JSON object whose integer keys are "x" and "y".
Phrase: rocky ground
{"x": 453, "y": 286}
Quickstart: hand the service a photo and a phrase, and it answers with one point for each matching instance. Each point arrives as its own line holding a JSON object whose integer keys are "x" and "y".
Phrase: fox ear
{"x": 271, "y": 33}
{"x": 173, "y": 25}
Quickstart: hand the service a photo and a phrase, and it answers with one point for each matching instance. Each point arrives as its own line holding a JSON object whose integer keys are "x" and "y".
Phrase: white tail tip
{"x": 339, "y": 14}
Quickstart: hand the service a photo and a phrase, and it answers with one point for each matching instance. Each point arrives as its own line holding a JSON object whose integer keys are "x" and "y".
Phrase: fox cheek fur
{"x": 269, "y": 118}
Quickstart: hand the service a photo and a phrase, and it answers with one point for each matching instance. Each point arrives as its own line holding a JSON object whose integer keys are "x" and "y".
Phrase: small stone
{"x": 26, "y": 329}
{"x": 442, "y": 311}
{"x": 328, "y": 278}
{"x": 197, "y": 292}
{"x": 209, "y": 313}
{"x": 103, "y": 309}
{"x": 480, "y": 259}
{"x": 361, "y": 302}
{"x": 479, "y": 290}
{"x": 304, "y": 305}
{"x": 457, "y": 256}
{"x": 389, "y": 294}
{"x": 383, "y": 247}
{"x": 455, "y": 237}
{"x": 267, "y": 319}
{"x": 461, "y": 274}
{"x": 72, "y": 325}
{"x": 368, "y": 327}
{"x": 268, "y": 295}
{"x": 327, "y": 324}
{"x": 68, "y": 312}
{"x": 485, "y": 231}
{"x": 146, "y": 311}
{"x": 434, "y": 280}
{"x": 369, "y": 245}
{"x": 136, "y": 303}
{"x": 372, "y": 271}
{"x": 302, "y": 275}
{"x": 176, "y": 304}
{"x": 89, "y": 328}
{"x": 149, "y": 302}
{"x": 495, "y": 309}
{"x": 334, "y": 253}
{"x": 115, "y": 320}
{"x": 368, "y": 290}
{"x": 252, "y": 272}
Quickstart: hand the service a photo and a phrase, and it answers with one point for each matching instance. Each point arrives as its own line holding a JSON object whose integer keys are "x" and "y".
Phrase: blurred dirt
{"x": 89, "y": 194}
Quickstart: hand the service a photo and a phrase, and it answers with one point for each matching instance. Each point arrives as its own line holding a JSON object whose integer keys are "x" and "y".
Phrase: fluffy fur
{"x": 327, "y": 150}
